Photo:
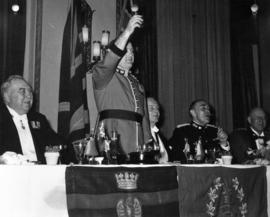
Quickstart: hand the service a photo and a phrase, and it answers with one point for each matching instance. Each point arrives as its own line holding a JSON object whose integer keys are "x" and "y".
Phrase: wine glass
{"x": 79, "y": 148}
{"x": 134, "y": 9}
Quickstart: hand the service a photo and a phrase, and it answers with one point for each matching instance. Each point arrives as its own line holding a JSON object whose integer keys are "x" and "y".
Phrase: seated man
{"x": 198, "y": 141}
{"x": 21, "y": 130}
{"x": 249, "y": 143}
{"x": 154, "y": 114}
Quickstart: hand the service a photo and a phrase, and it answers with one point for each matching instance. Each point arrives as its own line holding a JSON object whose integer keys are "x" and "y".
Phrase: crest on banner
{"x": 129, "y": 207}
{"x": 227, "y": 199}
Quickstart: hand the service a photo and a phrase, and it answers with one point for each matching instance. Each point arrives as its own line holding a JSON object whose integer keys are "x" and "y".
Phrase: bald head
{"x": 257, "y": 119}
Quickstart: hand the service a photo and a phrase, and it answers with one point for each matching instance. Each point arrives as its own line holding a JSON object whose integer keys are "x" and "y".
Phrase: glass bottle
{"x": 90, "y": 149}
{"x": 103, "y": 143}
{"x": 114, "y": 146}
{"x": 199, "y": 151}
{"x": 188, "y": 155}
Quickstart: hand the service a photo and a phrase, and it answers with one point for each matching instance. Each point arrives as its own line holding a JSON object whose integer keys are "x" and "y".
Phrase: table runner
{"x": 122, "y": 191}
{"x": 222, "y": 191}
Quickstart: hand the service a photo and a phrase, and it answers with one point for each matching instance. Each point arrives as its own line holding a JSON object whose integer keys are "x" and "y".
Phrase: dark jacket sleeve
{"x": 239, "y": 142}
{"x": 43, "y": 135}
{"x": 176, "y": 142}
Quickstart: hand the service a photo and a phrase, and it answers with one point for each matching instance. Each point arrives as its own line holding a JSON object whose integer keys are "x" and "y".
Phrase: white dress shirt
{"x": 25, "y": 136}
{"x": 259, "y": 142}
{"x": 164, "y": 155}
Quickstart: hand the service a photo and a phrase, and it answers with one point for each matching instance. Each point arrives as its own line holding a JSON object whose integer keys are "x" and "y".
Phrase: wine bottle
{"x": 199, "y": 151}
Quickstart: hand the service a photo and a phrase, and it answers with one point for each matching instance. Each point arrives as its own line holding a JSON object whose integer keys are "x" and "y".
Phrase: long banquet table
{"x": 40, "y": 190}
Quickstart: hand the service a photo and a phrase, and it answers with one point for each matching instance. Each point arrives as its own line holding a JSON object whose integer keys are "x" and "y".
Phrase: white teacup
{"x": 227, "y": 159}
{"x": 99, "y": 159}
{"x": 51, "y": 158}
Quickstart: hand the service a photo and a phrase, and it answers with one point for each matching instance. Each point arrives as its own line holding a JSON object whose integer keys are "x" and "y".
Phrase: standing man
{"x": 249, "y": 143}
{"x": 119, "y": 96}
{"x": 198, "y": 140}
{"x": 154, "y": 114}
{"x": 21, "y": 130}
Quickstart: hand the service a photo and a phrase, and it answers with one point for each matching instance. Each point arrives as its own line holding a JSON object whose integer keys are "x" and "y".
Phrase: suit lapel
{"x": 30, "y": 123}
{"x": 253, "y": 140}
{"x": 12, "y": 136}
{"x": 35, "y": 126}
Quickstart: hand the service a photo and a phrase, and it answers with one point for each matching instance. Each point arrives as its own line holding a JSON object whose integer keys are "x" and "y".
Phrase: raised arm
{"x": 104, "y": 70}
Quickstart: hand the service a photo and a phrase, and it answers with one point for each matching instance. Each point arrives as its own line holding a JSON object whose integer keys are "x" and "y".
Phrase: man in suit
{"x": 23, "y": 131}
{"x": 154, "y": 114}
{"x": 250, "y": 143}
{"x": 198, "y": 141}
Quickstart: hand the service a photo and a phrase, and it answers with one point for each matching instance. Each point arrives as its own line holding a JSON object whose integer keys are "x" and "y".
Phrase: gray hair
{"x": 6, "y": 85}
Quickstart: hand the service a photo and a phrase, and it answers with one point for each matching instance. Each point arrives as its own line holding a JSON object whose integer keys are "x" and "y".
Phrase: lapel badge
{"x": 35, "y": 124}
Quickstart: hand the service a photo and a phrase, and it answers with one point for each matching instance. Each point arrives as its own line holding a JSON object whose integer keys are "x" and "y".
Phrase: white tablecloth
{"x": 32, "y": 191}
{"x": 39, "y": 190}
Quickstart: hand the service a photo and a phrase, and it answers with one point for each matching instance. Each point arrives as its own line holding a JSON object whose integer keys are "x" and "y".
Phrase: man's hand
{"x": 222, "y": 135}
{"x": 135, "y": 21}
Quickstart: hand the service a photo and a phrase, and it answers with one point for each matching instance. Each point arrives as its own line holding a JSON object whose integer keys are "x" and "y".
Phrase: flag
{"x": 73, "y": 118}
{"x": 222, "y": 191}
{"x": 122, "y": 191}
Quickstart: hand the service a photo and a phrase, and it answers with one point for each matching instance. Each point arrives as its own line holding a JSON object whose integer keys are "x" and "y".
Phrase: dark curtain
{"x": 147, "y": 48}
{"x": 193, "y": 41}
{"x": 244, "y": 38}
{"x": 12, "y": 39}
{"x": 73, "y": 121}
{"x": 144, "y": 41}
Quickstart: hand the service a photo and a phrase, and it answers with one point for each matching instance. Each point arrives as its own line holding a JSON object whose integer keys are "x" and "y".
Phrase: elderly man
{"x": 119, "y": 96}
{"x": 154, "y": 114}
{"x": 23, "y": 131}
{"x": 249, "y": 143}
{"x": 198, "y": 141}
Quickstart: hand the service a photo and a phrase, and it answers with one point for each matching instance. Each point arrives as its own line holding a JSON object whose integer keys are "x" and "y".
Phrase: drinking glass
{"x": 79, "y": 148}
{"x": 134, "y": 7}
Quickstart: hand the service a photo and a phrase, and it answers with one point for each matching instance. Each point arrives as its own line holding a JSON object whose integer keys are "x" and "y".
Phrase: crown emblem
{"x": 127, "y": 180}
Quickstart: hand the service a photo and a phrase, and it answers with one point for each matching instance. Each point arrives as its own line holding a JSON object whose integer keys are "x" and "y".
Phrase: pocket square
{"x": 35, "y": 124}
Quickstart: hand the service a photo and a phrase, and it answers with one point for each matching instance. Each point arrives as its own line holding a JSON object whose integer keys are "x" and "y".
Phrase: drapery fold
{"x": 12, "y": 39}
{"x": 73, "y": 119}
{"x": 193, "y": 40}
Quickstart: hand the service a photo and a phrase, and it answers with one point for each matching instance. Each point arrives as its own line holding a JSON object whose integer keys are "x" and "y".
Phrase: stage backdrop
{"x": 193, "y": 38}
